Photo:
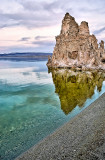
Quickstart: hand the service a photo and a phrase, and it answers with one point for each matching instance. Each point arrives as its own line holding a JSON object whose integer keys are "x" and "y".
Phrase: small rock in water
{"x": 12, "y": 129}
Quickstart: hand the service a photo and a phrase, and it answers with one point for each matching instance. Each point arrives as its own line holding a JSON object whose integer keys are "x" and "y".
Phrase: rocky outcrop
{"x": 76, "y": 48}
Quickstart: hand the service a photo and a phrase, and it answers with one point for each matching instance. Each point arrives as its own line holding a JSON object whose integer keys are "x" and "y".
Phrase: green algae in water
{"x": 34, "y": 103}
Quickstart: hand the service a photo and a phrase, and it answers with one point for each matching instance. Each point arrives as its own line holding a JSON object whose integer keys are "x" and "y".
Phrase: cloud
{"x": 32, "y": 13}
{"x": 26, "y": 19}
{"x": 43, "y": 43}
{"x": 99, "y": 31}
{"x": 29, "y": 15}
{"x": 42, "y": 15}
{"x": 42, "y": 37}
{"x": 31, "y": 5}
{"x": 24, "y": 39}
{"x": 39, "y": 37}
{"x": 45, "y": 48}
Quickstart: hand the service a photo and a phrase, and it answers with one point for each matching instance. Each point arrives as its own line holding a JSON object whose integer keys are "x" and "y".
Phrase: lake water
{"x": 34, "y": 103}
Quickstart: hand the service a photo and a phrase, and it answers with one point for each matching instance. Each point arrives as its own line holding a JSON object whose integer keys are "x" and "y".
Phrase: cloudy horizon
{"x": 31, "y": 26}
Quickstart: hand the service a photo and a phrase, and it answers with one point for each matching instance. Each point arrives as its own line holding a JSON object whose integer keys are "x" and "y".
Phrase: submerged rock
{"x": 76, "y": 48}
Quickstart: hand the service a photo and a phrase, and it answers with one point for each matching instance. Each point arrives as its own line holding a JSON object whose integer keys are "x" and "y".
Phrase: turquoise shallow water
{"x": 29, "y": 107}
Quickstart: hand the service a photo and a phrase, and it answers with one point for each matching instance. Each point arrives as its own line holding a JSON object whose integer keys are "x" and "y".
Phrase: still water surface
{"x": 34, "y": 103}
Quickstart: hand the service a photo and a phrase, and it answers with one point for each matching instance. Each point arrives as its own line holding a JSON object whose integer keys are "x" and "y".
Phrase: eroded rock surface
{"x": 76, "y": 48}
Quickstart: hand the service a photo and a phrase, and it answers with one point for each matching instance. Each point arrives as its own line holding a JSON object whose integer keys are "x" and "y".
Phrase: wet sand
{"x": 82, "y": 138}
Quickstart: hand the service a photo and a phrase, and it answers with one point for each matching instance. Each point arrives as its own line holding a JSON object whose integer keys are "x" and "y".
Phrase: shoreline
{"x": 83, "y": 137}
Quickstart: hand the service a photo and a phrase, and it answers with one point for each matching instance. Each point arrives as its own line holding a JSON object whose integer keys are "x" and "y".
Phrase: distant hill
{"x": 25, "y": 56}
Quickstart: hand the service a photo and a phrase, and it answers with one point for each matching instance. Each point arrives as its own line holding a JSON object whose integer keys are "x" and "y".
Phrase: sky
{"x": 31, "y": 25}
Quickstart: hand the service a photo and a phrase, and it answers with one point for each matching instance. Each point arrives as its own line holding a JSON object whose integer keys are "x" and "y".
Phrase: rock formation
{"x": 74, "y": 88}
{"x": 76, "y": 48}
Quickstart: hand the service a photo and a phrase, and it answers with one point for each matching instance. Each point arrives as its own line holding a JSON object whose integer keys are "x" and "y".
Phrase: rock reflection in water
{"x": 74, "y": 88}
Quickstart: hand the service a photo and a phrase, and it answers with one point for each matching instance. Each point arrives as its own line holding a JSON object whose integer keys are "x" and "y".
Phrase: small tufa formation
{"x": 76, "y": 48}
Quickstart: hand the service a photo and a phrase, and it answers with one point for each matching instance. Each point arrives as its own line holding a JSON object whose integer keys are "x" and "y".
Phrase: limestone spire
{"x": 84, "y": 28}
{"x": 69, "y": 26}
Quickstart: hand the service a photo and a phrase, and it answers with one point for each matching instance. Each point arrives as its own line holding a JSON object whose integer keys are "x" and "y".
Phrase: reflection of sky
{"x": 22, "y": 76}
{"x": 41, "y": 65}
{"x": 19, "y": 73}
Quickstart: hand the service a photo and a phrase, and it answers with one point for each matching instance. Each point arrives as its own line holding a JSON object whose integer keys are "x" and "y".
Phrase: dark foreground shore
{"x": 82, "y": 138}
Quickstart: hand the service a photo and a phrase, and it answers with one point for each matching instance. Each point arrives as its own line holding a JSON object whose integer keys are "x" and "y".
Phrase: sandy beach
{"x": 82, "y": 138}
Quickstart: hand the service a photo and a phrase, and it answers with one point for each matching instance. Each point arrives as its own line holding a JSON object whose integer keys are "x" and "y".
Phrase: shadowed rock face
{"x": 74, "y": 88}
{"x": 76, "y": 48}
